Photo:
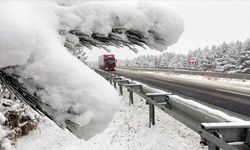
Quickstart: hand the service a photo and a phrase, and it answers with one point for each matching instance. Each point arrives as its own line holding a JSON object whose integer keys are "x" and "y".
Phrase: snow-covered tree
{"x": 206, "y": 61}
{"x": 233, "y": 57}
{"x": 245, "y": 57}
{"x": 165, "y": 59}
{"x": 227, "y": 57}
{"x": 176, "y": 61}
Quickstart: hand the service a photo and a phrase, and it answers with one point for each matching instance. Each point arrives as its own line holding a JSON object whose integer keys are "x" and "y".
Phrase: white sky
{"x": 207, "y": 23}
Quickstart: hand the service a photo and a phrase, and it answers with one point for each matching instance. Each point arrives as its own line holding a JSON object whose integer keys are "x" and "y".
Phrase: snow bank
{"x": 128, "y": 131}
{"x": 29, "y": 38}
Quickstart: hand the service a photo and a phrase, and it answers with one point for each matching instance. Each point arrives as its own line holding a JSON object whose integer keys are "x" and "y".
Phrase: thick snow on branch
{"x": 121, "y": 24}
{"x": 29, "y": 39}
{"x": 156, "y": 26}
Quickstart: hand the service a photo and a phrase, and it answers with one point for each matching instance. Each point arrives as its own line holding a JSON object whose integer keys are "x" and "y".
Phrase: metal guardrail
{"x": 216, "y": 131}
{"x": 193, "y": 72}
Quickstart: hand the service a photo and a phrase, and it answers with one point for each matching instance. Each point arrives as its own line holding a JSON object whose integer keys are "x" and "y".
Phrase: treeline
{"x": 227, "y": 57}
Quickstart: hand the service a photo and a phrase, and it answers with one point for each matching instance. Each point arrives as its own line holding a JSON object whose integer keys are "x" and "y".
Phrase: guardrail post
{"x": 131, "y": 88}
{"x": 212, "y": 146}
{"x": 115, "y": 78}
{"x": 111, "y": 78}
{"x": 160, "y": 98}
{"x": 248, "y": 138}
{"x": 151, "y": 115}
{"x": 120, "y": 89}
{"x": 131, "y": 100}
{"x": 120, "y": 82}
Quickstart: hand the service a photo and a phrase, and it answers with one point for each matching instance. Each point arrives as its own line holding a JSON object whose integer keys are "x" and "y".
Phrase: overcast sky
{"x": 207, "y": 23}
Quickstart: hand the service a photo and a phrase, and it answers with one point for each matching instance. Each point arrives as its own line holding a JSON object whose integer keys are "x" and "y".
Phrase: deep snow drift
{"x": 29, "y": 38}
{"x": 128, "y": 131}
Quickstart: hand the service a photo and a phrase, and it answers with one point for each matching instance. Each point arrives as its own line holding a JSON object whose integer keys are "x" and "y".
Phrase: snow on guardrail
{"x": 225, "y": 129}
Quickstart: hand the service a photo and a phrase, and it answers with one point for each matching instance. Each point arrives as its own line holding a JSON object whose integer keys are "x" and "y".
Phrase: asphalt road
{"x": 232, "y": 98}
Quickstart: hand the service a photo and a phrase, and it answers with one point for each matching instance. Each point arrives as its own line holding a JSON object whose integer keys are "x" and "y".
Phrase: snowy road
{"x": 230, "y": 97}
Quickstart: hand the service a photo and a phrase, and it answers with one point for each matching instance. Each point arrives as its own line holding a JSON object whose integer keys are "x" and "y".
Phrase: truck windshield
{"x": 110, "y": 60}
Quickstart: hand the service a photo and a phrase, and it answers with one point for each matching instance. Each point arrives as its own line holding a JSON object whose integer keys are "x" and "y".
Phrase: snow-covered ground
{"x": 128, "y": 131}
{"x": 241, "y": 82}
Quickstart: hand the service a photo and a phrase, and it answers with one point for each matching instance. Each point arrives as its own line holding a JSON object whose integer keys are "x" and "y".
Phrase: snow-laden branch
{"x": 54, "y": 78}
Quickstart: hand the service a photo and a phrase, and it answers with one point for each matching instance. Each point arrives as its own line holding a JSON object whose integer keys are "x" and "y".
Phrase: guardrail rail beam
{"x": 160, "y": 98}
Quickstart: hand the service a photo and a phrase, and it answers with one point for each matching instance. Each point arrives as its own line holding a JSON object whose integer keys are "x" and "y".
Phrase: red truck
{"x": 107, "y": 62}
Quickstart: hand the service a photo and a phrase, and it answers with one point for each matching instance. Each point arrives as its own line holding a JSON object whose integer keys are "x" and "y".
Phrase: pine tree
{"x": 245, "y": 57}
{"x": 234, "y": 56}
{"x": 206, "y": 59}
{"x": 220, "y": 56}
{"x": 165, "y": 59}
